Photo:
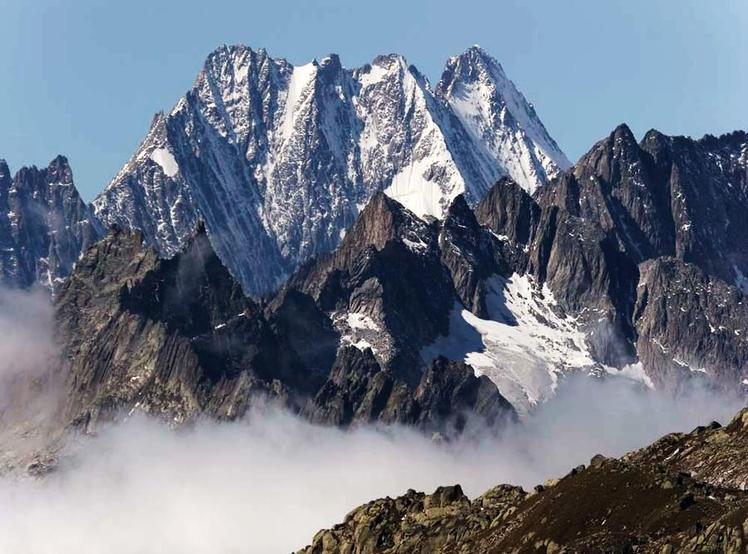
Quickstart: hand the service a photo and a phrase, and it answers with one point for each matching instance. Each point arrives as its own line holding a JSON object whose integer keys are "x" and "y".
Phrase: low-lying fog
{"x": 270, "y": 482}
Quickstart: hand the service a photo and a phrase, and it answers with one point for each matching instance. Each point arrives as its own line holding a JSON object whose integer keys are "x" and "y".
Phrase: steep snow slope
{"x": 278, "y": 160}
{"x": 523, "y": 346}
{"x": 500, "y": 120}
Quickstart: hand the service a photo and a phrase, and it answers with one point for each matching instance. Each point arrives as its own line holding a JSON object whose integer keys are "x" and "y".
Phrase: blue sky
{"x": 84, "y": 77}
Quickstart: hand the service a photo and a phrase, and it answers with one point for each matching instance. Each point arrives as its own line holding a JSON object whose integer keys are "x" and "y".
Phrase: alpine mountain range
{"x": 362, "y": 246}
{"x": 278, "y": 160}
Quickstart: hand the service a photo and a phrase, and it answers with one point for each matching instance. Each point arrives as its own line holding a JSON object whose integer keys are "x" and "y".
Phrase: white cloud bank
{"x": 269, "y": 483}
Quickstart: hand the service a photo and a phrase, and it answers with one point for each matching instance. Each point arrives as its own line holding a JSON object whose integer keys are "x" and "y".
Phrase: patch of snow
{"x": 300, "y": 78}
{"x": 522, "y": 348}
{"x": 520, "y": 145}
{"x": 373, "y": 76}
{"x": 741, "y": 281}
{"x": 634, "y": 371}
{"x": 415, "y": 246}
{"x": 688, "y": 367}
{"x": 356, "y": 329}
{"x": 502, "y": 238}
{"x": 165, "y": 159}
{"x": 363, "y": 344}
{"x": 361, "y": 321}
{"x": 421, "y": 196}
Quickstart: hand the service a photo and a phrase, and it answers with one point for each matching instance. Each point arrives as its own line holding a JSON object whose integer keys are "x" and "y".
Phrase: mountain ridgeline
{"x": 44, "y": 224}
{"x": 412, "y": 255}
{"x": 395, "y": 324}
{"x": 177, "y": 337}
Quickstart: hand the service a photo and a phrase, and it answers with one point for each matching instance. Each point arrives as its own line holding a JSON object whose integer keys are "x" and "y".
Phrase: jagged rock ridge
{"x": 524, "y": 290}
{"x": 44, "y": 224}
{"x": 632, "y": 260}
{"x": 674, "y": 206}
{"x": 177, "y": 338}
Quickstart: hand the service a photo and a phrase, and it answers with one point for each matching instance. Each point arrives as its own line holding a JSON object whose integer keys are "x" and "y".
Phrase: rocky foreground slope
{"x": 684, "y": 493}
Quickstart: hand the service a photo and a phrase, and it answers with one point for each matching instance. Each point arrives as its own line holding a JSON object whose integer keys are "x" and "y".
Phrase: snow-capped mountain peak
{"x": 277, "y": 159}
{"x": 500, "y": 119}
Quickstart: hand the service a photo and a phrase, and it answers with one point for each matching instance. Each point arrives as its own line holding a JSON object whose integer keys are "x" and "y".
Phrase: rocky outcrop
{"x": 171, "y": 337}
{"x": 471, "y": 255}
{"x": 451, "y": 396}
{"x": 685, "y": 493}
{"x": 509, "y": 211}
{"x": 589, "y": 277}
{"x": 44, "y": 225}
{"x": 388, "y": 271}
{"x": 710, "y": 454}
{"x": 670, "y": 204}
{"x": 448, "y": 398}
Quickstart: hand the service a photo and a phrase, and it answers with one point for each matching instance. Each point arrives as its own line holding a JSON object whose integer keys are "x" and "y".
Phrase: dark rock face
{"x": 389, "y": 269}
{"x": 471, "y": 255}
{"x": 178, "y": 338}
{"x": 450, "y": 392}
{"x": 174, "y": 337}
{"x": 448, "y": 395}
{"x": 684, "y": 493}
{"x": 689, "y": 322}
{"x": 587, "y": 275}
{"x": 667, "y": 196}
{"x": 660, "y": 203}
{"x": 44, "y": 225}
{"x": 509, "y": 211}
{"x": 582, "y": 265}
{"x": 358, "y": 391}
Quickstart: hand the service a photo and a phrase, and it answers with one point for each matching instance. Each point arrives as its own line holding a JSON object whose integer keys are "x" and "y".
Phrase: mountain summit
{"x": 288, "y": 155}
{"x": 499, "y": 118}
